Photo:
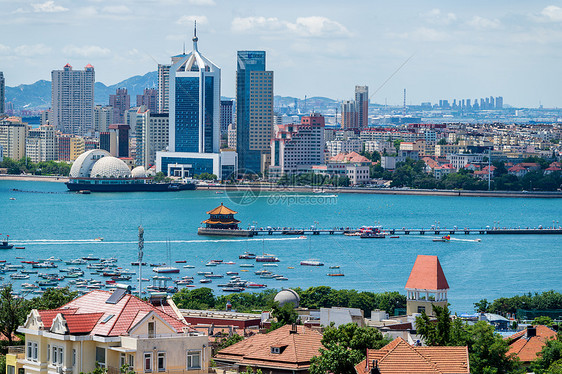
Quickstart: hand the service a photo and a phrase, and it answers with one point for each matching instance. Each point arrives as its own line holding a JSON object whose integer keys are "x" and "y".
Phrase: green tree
{"x": 543, "y": 320}
{"x": 345, "y": 347}
{"x": 52, "y": 298}
{"x": 227, "y": 341}
{"x": 284, "y": 315}
{"x": 482, "y": 305}
{"x": 12, "y": 312}
{"x": 198, "y": 298}
{"x": 442, "y": 141}
{"x": 549, "y": 357}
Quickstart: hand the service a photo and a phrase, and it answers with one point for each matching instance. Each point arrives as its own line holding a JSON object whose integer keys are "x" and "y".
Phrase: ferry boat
{"x": 371, "y": 232}
{"x": 312, "y": 263}
{"x": 266, "y": 258}
{"x": 4, "y": 243}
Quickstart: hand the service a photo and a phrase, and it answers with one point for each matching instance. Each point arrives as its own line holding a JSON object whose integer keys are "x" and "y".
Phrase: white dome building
{"x": 82, "y": 166}
{"x": 138, "y": 172}
{"x": 110, "y": 167}
{"x": 286, "y": 296}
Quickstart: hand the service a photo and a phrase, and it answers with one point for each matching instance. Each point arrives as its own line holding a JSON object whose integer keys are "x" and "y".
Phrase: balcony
{"x": 16, "y": 350}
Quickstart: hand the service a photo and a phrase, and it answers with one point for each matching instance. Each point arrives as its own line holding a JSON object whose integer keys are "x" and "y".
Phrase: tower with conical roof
{"x": 426, "y": 286}
{"x": 194, "y": 103}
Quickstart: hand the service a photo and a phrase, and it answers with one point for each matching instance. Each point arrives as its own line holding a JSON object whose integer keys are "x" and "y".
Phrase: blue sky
{"x": 461, "y": 49}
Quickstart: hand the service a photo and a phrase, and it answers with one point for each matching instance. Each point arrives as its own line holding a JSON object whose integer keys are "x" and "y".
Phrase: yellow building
{"x": 426, "y": 286}
{"x": 12, "y": 137}
{"x": 110, "y": 330}
{"x": 77, "y": 147}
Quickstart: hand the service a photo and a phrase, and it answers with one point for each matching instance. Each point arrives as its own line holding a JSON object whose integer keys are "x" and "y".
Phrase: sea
{"x": 49, "y": 221}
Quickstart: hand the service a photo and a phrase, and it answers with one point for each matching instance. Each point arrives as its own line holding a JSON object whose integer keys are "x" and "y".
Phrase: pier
{"x": 390, "y": 231}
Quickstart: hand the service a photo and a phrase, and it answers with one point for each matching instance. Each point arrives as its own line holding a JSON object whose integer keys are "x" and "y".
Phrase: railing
{"x": 156, "y": 336}
{"x": 16, "y": 349}
{"x": 114, "y": 370}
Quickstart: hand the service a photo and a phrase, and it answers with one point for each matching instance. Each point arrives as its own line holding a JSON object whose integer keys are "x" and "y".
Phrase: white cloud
{"x": 88, "y": 11}
{"x": 551, "y": 13}
{"x": 32, "y": 50}
{"x": 85, "y": 51}
{"x": 482, "y": 23}
{"x": 435, "y": 16}
{"x": 314, "y": 26}
{"x": 116, "y": 9}
{"x": 422, "y": 34}
{"x": 4, "y": 50}
{"x": 190, "y": 19}
{"x": 202, "y": 2}
{"x": 48, "y": 7}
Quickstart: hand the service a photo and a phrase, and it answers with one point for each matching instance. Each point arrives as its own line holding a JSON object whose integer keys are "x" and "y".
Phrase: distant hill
{"x": 38, "y": 95}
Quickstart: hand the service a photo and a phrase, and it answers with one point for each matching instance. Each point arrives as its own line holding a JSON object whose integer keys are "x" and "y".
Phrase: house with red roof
{"x": 399, "y": 357}
{"x": 426, "y": 286}
{"x": 285, "y": 350}
{"x": 526, "y": 344}
{"x": 110, "y": 330}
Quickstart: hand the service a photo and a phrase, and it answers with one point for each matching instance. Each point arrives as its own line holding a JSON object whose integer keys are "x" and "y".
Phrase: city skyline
{"x": 459, "y": 50}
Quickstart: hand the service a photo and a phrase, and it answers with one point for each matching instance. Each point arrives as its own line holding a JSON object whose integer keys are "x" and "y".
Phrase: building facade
{"x": 149, "y": 99}
{"x": 70, "y": 147}
{"x": 254, "y": 110}
{"x": 103, "y": 117}
{"x": 72, "y": 99}
{"x": 120, "y": 102}
{"x": 121, "y": 132}
{"x": 151, "y": 136}
{"x": 2, "y": 93}
{"x": 41, "y": 144}
{"x": 362, "y": 106}
{"x": 226, "y": 115}
{"x": 13, "y": 133}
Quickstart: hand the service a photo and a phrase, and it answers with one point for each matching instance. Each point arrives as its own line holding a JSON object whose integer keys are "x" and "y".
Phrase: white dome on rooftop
{"x": 287, "y": 296}
{"x": 83, "y": 165}
{"x": 110, "y": 167}
{"x": 138, "y": 172}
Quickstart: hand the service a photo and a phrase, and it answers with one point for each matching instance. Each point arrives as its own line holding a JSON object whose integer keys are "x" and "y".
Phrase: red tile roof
{"x": 398, "y": 357}
{"x": 527, "y": 348}
{"x": 427, "y": 274}
{"x": 255, "y": 351}
{"x": 221, "y": 209}
{"x": 81, "y": 323}
{"x": 126, "y": 313}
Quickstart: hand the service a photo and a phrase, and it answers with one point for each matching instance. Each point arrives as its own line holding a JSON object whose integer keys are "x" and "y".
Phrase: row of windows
{"x": 193, "y": 361}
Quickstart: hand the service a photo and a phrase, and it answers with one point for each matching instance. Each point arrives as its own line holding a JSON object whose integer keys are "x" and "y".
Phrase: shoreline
{"x": 331, "y": 190}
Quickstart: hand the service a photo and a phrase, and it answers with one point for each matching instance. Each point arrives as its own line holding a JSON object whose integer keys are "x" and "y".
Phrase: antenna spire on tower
{"x": 195, "y": 39}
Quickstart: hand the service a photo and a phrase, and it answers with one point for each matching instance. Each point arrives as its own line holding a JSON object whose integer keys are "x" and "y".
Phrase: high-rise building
{"x": 120, "y": 102}
{"x": 41, "y": 144}
{"x": 149, "y": 99}
{"x": 499, "y": 102}
{"x": 72, "y": 99}
{"x": 163, "y": 87}
{"x": 362, "y": 106}
{"x": 103, "y": 117}
{"x": 349, "y": 115}
{"x": 70, "y": 147}
{"x": 2, "y": 93}
{"x": 254, "y": 111}
{"x": 121, "y": 132}
{"x": 108, "y": 142}
{"x": 194, "y": 104}
{"x": 151, "y": 136}
{"x": 13, "y": 133}
{"x": 226, "y": 115}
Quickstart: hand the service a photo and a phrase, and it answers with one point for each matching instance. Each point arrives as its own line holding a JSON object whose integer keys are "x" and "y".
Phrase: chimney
{"x": 293, "y": 328}
{"x": 158, "y": 298}
{"x": 375, "y": 367}
{"x": 531, "y": 331}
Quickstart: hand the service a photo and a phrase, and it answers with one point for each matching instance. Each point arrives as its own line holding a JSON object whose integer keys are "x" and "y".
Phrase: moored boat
{"x": 312, "y": 263}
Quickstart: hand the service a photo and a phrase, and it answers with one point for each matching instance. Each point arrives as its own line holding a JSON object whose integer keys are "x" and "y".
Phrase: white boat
{"x": 188, "y": 266}
{"x": 165, "y": 269}
{"x": 246, "y": 265}
{"x": 312, "y": 263}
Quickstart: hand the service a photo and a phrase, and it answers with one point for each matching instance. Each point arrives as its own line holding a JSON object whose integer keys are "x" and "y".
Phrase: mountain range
{"x": 37, "y": 96}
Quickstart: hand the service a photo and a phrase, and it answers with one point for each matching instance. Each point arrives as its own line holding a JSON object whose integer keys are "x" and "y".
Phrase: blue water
{"x": 61, "y": 224}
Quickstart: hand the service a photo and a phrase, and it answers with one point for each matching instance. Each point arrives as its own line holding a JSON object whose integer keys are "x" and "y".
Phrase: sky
{"x": 433, "y": 49}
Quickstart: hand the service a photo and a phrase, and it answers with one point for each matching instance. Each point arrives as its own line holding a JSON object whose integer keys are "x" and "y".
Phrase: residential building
{"x": 379, "y": 146}
{"x": 149, "y": 99}
{"x": 528, "y": 343}
{"x": 296, "y": 145}
{"x": 41, "y": 144}
{"x": 285, "y": 350}
{"x": 349, "y": 115}
{"x": 91, "y": 143}
{"x": 352, "y": 165}
{"x": 232, "y": 136}
{"x": 341, "y": 316}
{"x": 254, "y": 110}
{"x": 103, "y": 117}
{"x": 151, "y": 136}
{"x": 70, "y": 147}
{"x": 13, "y": 133}
{"x": 459, "y": 160}
{"x": 2, "y": 93}
{"x": 47, "y": 117}
{"x": 390, "y": 162}
{"x": 226, "y": 115}
{"x": 194, "y": 104}
{"x": 335, "y": 147}
{"x": 120, "y": 102}
{"x": 426, "y": 286}
{"x": 443, "y": 150}
{"x": 72, "y": 99}
{"x": 121, "y": 132}
{"x": 362, "y": 106}
{"x": 111, "y": 330}
{"x": 163, "y": 88}
{"x": 400, "y": 357}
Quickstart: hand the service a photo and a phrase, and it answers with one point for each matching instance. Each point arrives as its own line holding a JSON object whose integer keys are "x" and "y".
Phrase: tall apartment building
{"x": 120, "y": 102}
{"x": 164, "y": 84}
{"x": 103, "y": 117}
{"x": 362, "y": 106}
{"x": 152, "y": 130}
{"x": 194, "y": 104}
{"x": 349, "y": 115}
{"x": 72, "y": 99}
{"x": 254, "y": 111}
{"x": 149, "y": 99}
{"x": 47, "y": 117}
{"x": 2, "y": 93}
{"x": 232, "y": 136}
{"x": 296, "y": 145}
{"x": 121, "y": 132}
{"x": 226, "y": 115}
{"x": 41, "y": 144}
{"x": 13, "y": 133}
{"x": 70, "y": 147}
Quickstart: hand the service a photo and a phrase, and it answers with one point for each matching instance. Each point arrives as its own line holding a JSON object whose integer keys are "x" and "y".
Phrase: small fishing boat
{"x": 267, "y": 258}
{"x": 233, "y": 289}
{"x": 99, "y": 239}
{"x": 91, "y": 257}
{"x": 247, "y": 256}
{"x": 302, "y": 237}
{"x": 334, "y": 267}
{"x": 256, "y": 285}
{"x": 231, "y": 273}
{"x": 229, "y": 263}
{"x": 270, "y": 265}
{"x": 20, "y": 247}
{"x": 181, "y": 262}
{"x": 205, "y": 280}
{"x": 246, "y": 265}
{"x": 445, "y": 238}
{"x": 312, "y": 263}
{"x": 214, "y": 276}
{"x": 394, "y": 237}
{"x": 211, "y": 263}
{"x": 188, "y": 266}
{"x": 335, "y": 274}
{"x": 204, "y": 272}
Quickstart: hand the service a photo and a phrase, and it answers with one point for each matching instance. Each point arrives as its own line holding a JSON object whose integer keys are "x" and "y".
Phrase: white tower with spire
{"x": 194, "y": 103}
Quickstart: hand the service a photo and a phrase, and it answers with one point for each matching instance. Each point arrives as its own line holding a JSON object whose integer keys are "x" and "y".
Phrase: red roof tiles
{"x": 81, "y": 323}
{"x": 427, "y": 274}
{"x": 527, "y": 348}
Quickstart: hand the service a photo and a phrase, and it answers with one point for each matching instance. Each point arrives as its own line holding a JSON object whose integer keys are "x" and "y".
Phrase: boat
{"x": 188, "y": 266}
{"x": 91, "y": 257}
{"x": 136, "y": 263}
{"x": 233, "y": 289}
{"x": 19, "y": 276}
{"x": 246, "y": 265}
{"x": 371, "y": 232}
{"x": 166, "y": 269}
{"x": 84, "y": 192}
{"x": 20, "y": 247}
{"x": 334, "y": 267}
{"x": 12, "y": 198}
{"x": 214, "y": 276}
{"x": 211, "y": 263}
{"x": 204, "y": 272}
{"x": 205, "y": 280}
{"x": 99, "y": 239}
{"x": 229, "y": 263}
{"x": 231, "y": 273}
{"x": 290, "y": 267}
{"x": 302, "y": 237}
{"x": 247, "y": 256}
{"x": 4, "y": 243}
{"x": 445, "y": 238}
{"x": 312, "y": 263}
{"x": 271, "y": 265}
{"x": 266, "y": 258}
{"x": 181, "y": 262}
{"x": 335, "y": 274}
{"x": 219, "y": 192}
{"x": 256, "y": 285}
{"x": 394, "y": 237}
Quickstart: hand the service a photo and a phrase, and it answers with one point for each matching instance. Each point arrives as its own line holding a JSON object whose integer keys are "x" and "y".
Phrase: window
{"x": 48, "y": 352}
{"x": 131, "y": 361}
{"x": 11, "y": 369}
{"x": 193, "y": 360}
{"x": 57, "y": 355}
{"x": 421, "y": 309}
{"x": 148, "y": 362}
{"x": 32, "y": 351}
{"x": 151, "y": 329}
{"x": 100, "y": 356}
{"x": 74, "y": 357}
{"x": 122, "y": 360}
{"x": 161, "y": 361}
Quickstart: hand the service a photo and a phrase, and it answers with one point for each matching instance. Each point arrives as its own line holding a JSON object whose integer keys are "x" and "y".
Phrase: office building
{"x": 2, "y": 93}
{"x": 362, "y": 106}
{"x": 254, "y": 111}
{"x": 231, "y": 136}
{"x": 297, "y": 145}
{"x": 72, "y": 99}
{"x": 121, "y": 132}
{"x": 149, "y": 99}
{"x": 13, "y": 133}
{"x": 103, "y": 117}
{"x": 226, "y": 115}
{"x": 41, "y": 144}
{"x": 151, "y": 131}
{"x": 120, "y": 102}
{"x": 164, "y": 84}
